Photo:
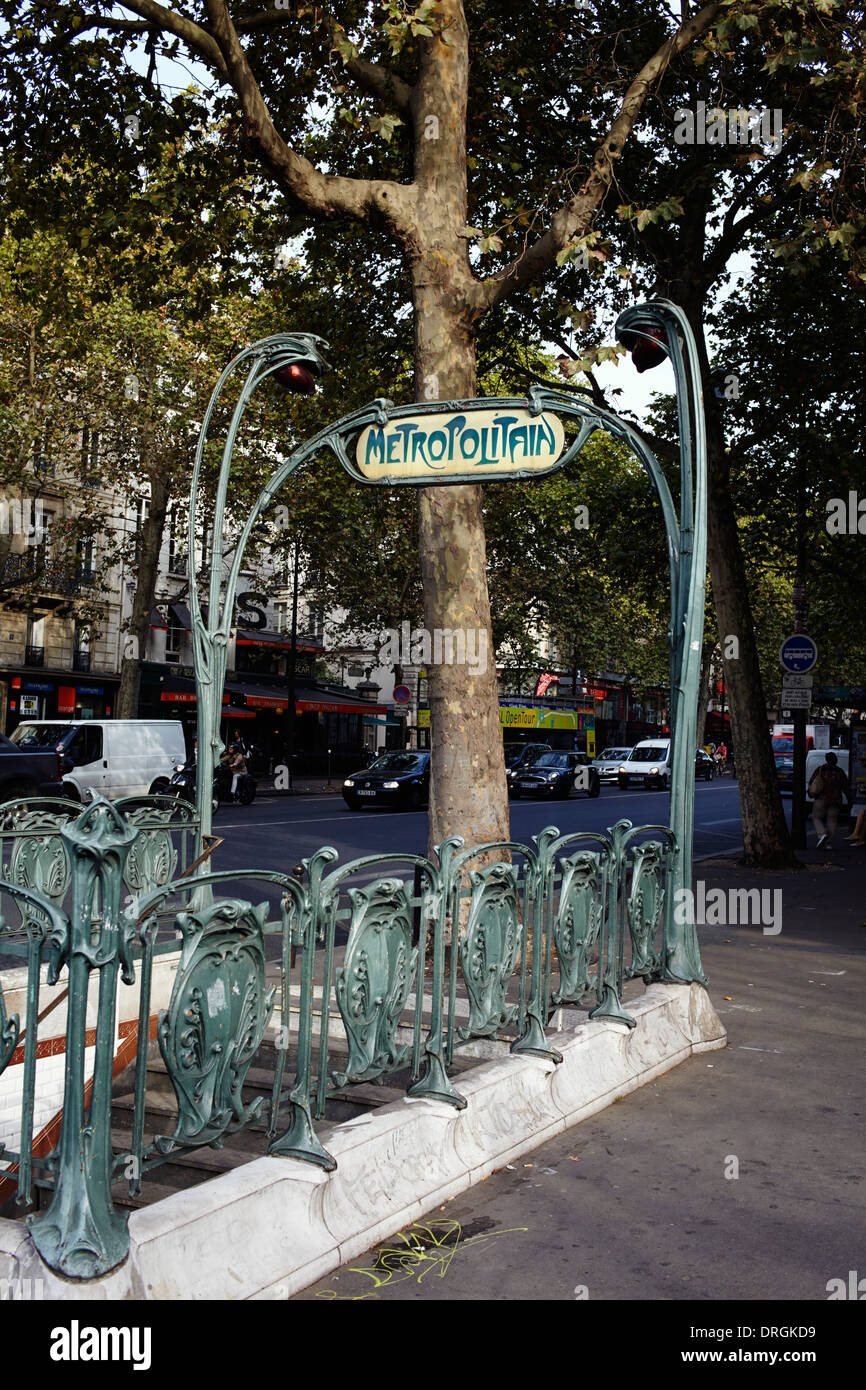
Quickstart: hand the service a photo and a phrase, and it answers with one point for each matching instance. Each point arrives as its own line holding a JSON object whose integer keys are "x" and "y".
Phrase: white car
{"x": 608, "y": 763}
{"x": 648, "y": 762}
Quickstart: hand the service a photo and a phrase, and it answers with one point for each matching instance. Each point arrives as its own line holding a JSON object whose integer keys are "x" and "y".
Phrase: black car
{"x": 704, "y": 765}
{"x": 29, "y": 772}
{"x": 558, "y": 774}
{"x": 394, "y": 779}
{"x": 519, "y": 758}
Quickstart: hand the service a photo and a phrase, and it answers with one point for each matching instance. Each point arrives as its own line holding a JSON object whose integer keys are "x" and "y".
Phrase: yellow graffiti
{"x": 425, "y": 1249}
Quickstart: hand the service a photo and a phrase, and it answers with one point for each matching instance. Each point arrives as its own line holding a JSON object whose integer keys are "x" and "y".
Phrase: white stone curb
{"x": 276, "y": 1225}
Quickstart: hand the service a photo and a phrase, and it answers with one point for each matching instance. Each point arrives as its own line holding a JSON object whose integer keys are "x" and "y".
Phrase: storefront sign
{"x": 476, "y": 442}
{"x": 521, "y": 717}
{"x": 29, "y": 705}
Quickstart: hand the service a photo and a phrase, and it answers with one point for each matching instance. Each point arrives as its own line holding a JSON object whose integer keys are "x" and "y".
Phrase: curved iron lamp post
{"x": 673, "y": 338}
{"x": 294, "y": 360}
{"x": 651, "y": 331}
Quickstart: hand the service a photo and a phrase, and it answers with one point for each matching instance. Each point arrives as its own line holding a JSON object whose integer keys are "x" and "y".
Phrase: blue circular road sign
{"x": 402, "y": 694}
{"x": 798, "y": 653}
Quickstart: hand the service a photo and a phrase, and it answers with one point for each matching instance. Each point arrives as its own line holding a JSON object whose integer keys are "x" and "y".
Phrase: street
{"x": 276, "y": 832}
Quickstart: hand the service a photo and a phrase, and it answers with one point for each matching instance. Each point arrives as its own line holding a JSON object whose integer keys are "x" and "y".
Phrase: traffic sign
{"x": 796, "y": 699}
{"x": 792, "y": 681}
{"x": 402, "y": 694}
{"x": 798, "y": 653}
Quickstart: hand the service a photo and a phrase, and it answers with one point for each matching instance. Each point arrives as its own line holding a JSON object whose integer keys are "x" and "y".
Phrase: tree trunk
{"x": 468, "y": 791}
{"x": 150, "y": 544}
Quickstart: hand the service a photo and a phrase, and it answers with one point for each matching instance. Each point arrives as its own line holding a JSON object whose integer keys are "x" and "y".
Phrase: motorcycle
{"x": 182, "y": 785}
{"x": 246, "y": 790}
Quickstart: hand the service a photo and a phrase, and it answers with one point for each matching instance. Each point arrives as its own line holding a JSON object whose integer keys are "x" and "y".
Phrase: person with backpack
{"x": 828, "y": 788}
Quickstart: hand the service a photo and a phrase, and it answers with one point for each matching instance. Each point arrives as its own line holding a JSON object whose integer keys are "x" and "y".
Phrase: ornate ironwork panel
{"x": 373, "y": 984}
{"x": 153, "y": 858}
{"x": 645, "y": 907}
{"x": 488, "y": 950}
{"x": 215, "y": 1020}
{"x": 39, "y": 861}
{"x": 576, "y": 924}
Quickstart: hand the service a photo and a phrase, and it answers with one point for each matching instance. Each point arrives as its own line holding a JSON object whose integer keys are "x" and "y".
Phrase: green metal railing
{"x": 382, "y": 968}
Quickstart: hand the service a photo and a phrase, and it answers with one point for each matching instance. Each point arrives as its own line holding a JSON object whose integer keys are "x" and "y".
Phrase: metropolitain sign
{"x": 471, "y": 444}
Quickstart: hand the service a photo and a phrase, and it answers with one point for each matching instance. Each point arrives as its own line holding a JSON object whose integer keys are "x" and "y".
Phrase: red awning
{"x": 339, "y": 707}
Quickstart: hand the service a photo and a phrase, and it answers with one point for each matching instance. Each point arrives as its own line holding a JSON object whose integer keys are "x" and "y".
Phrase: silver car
{"x": 608, "y": 763}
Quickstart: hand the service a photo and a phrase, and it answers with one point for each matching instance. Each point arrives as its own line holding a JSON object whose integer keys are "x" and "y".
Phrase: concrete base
{"x": 276, "y": 1225}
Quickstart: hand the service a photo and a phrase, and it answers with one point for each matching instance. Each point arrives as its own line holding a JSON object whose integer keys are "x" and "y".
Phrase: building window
{"x": 90, "y": 458}
{"x": 84, "y": 560}
{"x": 34, "y": 654}
{"x": 142, "y": 512}
{"x": 81, "y": 648}
{"x": 173, "y": 643}
{"x": 176, "y": 543}
{"x": 315, "y": 620}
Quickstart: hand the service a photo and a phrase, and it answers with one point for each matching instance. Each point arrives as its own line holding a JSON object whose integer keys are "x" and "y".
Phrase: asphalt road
{"x": 276, "y": 832}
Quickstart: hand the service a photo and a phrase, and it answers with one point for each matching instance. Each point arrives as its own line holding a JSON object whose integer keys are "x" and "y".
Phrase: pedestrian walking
{"x": 828, "y": 788}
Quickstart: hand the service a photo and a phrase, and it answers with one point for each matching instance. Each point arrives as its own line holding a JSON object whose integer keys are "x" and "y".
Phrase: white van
{"x": 648, "y": 762}
{"x": 112, "y": 757}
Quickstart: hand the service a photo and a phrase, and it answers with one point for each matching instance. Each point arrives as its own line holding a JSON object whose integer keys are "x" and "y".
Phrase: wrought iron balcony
{"x": 33, "y": 568}
{"x": 34, "y": 656}
{"x": 81, "y": 661}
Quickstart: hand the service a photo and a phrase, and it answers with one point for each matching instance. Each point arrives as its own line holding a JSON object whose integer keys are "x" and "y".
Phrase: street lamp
{"x": 295, "y": 361}
{"x": 651, "y": 332}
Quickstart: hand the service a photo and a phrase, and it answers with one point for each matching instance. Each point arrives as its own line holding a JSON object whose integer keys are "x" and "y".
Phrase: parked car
{"x": 608, "y": 763}
{"x": 704, "y": 765}
{"x": 394, "y": 779}
{"x": 519, "y": 757}
{"x": 112, "y": 757}
{"x": 556, "y": 775}
{"x": 28, "y": 773}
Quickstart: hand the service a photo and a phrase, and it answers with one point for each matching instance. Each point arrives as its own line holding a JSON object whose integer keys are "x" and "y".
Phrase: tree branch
{"x": 169, "y": 21}
{"x": 376, "y": 79}
{"x": 574, "y": 217}
{"x": 367, "y": 200}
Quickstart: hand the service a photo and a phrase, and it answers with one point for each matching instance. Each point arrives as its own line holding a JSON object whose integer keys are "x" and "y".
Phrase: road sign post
{"x": 797, "y": 656}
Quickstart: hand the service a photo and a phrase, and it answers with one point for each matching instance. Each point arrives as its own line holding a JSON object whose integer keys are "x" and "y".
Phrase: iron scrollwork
{"x": 576, "y": 925}
{"x": 215, "y": 1021}
{"x": 488, "y": 950}
{"x": 645, "y": 907}
{"x": 374, "y": 983}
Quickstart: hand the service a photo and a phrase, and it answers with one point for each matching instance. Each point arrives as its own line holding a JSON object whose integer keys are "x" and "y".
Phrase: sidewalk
{"x": 734, "y": 1177}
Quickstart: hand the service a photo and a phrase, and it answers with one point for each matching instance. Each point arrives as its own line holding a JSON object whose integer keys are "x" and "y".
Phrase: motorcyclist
{"x": 237, "y": 766}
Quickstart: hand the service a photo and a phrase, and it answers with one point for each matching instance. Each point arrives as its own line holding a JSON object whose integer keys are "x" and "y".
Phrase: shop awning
{"x": 180, "y": 612}
{"x": 157, "y": 620}
{"x": 281, "y": 641}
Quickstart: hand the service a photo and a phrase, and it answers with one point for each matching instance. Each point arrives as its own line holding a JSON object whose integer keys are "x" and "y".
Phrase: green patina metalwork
{"x": 488, "y": 948}
{"x": 577, "y": 924}
{"x": 374, "y": 982}
{"x": 645, "y": 906}
{"x": 215, "y": 1021}
{"x": 685, "y": 530}
{"x": 81, "y": 1234}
